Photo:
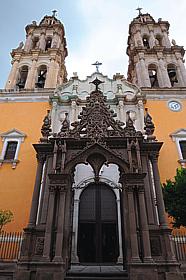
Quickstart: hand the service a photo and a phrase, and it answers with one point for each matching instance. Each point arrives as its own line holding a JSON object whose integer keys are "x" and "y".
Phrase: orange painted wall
{"x": 167, "y": 122}
{"x": 16, "y": 185}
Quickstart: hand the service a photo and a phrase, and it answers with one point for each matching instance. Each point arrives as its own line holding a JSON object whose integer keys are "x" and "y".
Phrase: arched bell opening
{"x": 172, "y": 73}
{"x": 22, "y": 77}
{"x": 98, "y": 240}
{"x": 146, "y": 41}
{"x": 153, "y": 76}
{"x": 41, "y": 76}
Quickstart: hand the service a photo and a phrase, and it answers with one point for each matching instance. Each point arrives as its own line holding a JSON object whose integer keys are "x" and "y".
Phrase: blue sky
{"x": 95, "y": 29}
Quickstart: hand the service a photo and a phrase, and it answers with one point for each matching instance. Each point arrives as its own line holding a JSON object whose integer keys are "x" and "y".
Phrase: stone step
{"x": 97, "y": 276}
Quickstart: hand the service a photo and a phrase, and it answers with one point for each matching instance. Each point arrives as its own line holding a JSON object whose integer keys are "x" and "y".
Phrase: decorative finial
{"x": 54, "y": 13}
{"x": 139, "y": 10}
{"x": 46, "y": 127}
{"x": 97, "y": 64}
{"x": 149, "y": 125}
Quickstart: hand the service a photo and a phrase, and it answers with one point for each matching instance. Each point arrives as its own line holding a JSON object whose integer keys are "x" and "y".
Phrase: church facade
{"x": 93, "y": 196}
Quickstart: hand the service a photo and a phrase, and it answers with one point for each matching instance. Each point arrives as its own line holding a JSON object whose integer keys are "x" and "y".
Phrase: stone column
{"x": 42, "y": 41}
{"x": 49, "y": 224}
{"x": 31, "y": 79}
{"x": 166, "y": 41}
{"x": 137, "y": 37}
{"x": 54, "y": 119}
{"x": 75, "y": 258}
{"x": 139, "y": 76}
{"x": 51, "y": 78}
{"x": 182, "y": 70}
{"x": 121, "y": 110}
{"x": 159, "y": 195}
{"x": 55, "y": 41}
{"x": 148, "y": 187}
{"x": 141, "y": 114}
{"x": 163, "y": 76}
{"x": 60, "y": 225}
{"x": 120, "y": 258}
{"x": 144, "y": 226}
{"x": 132, "y": 224}
{"x": 28, "y": 43}
{"x": 151, "y": 39}
{"x": 144, "y": 72}
{"x": 35, "y": 198}
{"x": 11, "y": 82}
{"x": 73, "y": 112}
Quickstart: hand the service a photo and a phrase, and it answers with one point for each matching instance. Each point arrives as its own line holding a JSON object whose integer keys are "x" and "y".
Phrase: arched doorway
{"x": 98, "y": 226}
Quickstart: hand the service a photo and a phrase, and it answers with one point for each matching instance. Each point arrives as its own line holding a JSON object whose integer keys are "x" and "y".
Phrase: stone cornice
{"x": 164, "y": 93}
{"x": 34, "y": 95}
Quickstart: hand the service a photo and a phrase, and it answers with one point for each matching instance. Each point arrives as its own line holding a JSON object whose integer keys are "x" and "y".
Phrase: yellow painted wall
{"x": 16, "y": 185}
{"x": 167, "y": 122}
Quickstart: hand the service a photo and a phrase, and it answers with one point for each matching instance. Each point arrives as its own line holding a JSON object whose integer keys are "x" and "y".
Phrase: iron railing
{"x": 10, "y": 245}
{"x": 179, "y": 242}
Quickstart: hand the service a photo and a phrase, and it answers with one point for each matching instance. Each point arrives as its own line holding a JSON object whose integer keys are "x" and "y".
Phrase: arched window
{"x": 152, "y": 69}
{"x": 146, "y": 41}
{"x": 48, "y": 43}
{"x": 171, "y": 69}
{"x": 42, "y": 71}
{"x": 158, "y": 40}
{"x": 22, "y": 76}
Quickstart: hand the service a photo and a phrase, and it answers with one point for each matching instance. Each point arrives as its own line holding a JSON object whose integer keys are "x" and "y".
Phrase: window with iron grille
{"x": 183, "y": 148}
{"x": 10, "y": 150}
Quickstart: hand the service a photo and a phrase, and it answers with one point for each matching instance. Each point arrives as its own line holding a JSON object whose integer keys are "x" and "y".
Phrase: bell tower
{"x": 40, "y": 61}
{"x": 154, "y": 61}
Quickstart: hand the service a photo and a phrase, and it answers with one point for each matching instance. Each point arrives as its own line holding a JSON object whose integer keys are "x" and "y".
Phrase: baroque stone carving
{"x": 39, "y": 245}
{"x": 97, "y": 122}
{"x": 155, "y": 246}
{"x": 149, "y": 125}
{"x": 46, "y": 127}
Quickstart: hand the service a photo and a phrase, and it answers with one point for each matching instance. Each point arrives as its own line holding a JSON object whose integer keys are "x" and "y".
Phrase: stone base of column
{"x": 148, "y": 260}
{"x": 154, "y": 271}
{"x": 120, "y": 260}
{"x": 23, "y": 275}
{"x": 49, "y": 275}
{"x": 135, "y": 260}
{"x": 74, "y": 259}
{"x": 46, "y": 259}
{"x": 40, "y": 271}
{"x": 58, "y": 259}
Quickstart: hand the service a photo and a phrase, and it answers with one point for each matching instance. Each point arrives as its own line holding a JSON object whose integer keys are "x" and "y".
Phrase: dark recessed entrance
{"x": 98, "y": 230}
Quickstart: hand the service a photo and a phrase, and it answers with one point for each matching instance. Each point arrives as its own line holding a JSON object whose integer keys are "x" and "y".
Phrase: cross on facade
{"x": 139, "y": 10}
{"x": 54, "y": 13}
{"x": 97, "y": 64}
{"x": 96, "y": 82}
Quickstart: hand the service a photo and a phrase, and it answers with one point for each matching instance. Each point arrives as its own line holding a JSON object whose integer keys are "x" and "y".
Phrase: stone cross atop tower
{"x": 153, "y": 61}
{"x": 40, "y": 61}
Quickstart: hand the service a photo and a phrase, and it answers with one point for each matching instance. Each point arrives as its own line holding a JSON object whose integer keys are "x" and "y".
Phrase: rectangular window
{"x": 10, "y": 150}
{"x": 183, "y": 148}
